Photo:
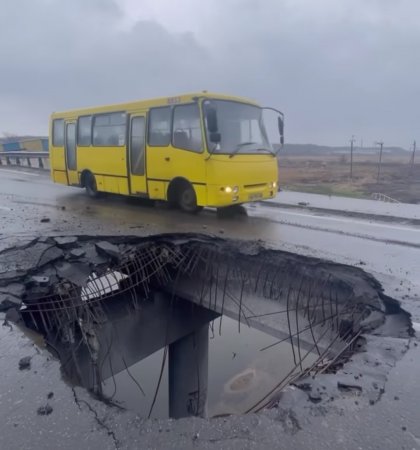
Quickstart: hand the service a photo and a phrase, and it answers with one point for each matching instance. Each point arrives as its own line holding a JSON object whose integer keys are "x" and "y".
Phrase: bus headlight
{"x": 230, "y": 190}
{"x": 273, "y": 185}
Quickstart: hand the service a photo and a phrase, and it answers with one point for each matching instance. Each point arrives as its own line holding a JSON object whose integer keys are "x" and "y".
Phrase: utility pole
{"x": 352, "y": 141}
{"x": 412, "y": 158}
{"x": 381, "y": 146}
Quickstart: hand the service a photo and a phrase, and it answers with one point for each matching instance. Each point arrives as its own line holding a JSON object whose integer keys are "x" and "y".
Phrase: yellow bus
{"x": 192, "y": 150}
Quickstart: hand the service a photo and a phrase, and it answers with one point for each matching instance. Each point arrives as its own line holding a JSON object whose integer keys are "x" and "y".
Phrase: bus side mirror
{"x": 281, "y": 129}
{"x": 211, "y": 116}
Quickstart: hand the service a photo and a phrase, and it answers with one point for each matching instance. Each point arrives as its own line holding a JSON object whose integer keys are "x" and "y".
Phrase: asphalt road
{"x": 390, "y": 251}
{"x": 331, "y": 202}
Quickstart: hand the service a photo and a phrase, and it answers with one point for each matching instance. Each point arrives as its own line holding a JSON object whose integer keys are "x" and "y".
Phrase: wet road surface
{"x": 390, "y": 251}
{"x": 331, "y": 202}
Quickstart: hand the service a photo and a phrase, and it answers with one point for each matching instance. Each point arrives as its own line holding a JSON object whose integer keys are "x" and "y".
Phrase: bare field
{"x": 330, "y": 174}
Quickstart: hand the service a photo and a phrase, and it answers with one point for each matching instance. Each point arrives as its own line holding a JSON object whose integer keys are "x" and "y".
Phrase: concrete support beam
{"x": 188, "y": 375}
{"x": 129, "y": 335}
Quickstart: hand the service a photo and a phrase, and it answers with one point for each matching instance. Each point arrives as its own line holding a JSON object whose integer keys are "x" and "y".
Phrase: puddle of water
{"x": 239, "y": 373}
{"x": 146, "y": 372}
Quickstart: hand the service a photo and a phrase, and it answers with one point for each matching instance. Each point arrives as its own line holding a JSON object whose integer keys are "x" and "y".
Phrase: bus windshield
{"x": 241, "y": 129}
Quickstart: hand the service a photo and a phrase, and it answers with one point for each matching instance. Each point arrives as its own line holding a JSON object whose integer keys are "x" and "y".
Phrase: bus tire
{"x": 187, "y": 200}
{"x": 182, "y": 195}
{"x": 89, "y": 182}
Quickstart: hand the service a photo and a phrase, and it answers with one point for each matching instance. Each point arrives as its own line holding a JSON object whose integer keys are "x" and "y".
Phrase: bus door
{"x": 71, "y": 153}
{"x": 137, "y": 154}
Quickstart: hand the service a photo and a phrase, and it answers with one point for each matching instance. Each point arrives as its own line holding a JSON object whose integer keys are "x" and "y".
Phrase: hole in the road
{"x": 177, "y": 326}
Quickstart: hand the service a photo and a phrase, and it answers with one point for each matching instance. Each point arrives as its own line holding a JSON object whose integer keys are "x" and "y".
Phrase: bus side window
{"x": 109, "y": 130}
{"x": 58, "y": 133}
{"x": 187, "y": 128}
{"x": 160, "y": 127}
{"x": 84, "y": 131}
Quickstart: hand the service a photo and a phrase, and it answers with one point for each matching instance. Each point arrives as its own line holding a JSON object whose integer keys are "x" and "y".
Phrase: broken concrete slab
{"x": 108, "y": 249}
{"x": 13, "y": 315}
{"x": 8, "y": 301}
{"x": 15, "y": 289}
{"x": 50, "y": 255}
{"x": 92, "y": 256}
{"x": 76, "y": 273}
{"x": 66, "y": 241}
{"x": 44, "y": 239}
{"x": 77, "y": 253}
{"x": 9, "y": 277}
{"x": 23, "y": 260}
{"x": 16, "y": 243}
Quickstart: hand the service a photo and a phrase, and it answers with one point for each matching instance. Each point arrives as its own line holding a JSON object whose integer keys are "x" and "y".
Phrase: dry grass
{"x": 330, "y": 174}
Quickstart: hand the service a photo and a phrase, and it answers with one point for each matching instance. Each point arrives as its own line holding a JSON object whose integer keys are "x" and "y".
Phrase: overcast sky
{"x": 335, "y": 67}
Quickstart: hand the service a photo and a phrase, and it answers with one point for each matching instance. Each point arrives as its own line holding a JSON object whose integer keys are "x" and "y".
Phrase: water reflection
{"x": 125, "y": 391}
{"x": 239, "y": 373}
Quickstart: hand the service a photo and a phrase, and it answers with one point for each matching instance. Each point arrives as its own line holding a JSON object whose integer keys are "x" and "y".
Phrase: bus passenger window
{"x": 109, "y": 130}
{"x": 187, "y": 128}
{"x": 58, "y": 133}
{"x": 84, "y": 131}
{"x": 160, "y": 127}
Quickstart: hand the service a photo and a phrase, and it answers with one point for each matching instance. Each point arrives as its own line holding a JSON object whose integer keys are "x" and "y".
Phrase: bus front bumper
{"x": 219, "y": 196}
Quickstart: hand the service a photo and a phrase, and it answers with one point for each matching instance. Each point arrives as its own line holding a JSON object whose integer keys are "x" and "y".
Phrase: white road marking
{"x": 20, "y": 172}
{"x": 350, "y": 220}
{"x": 5, "y": 208}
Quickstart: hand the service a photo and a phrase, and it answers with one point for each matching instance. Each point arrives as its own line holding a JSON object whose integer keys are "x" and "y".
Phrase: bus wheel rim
{"x": 188, "y": 198}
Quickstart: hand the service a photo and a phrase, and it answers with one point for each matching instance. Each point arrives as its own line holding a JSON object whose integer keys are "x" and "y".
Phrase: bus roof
{"x": 150, "y": 103}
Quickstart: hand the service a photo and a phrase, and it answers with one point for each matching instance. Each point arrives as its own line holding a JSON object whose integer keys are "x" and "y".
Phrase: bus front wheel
{"x": 90, "y": 185}
{"x": 187, "y": 200}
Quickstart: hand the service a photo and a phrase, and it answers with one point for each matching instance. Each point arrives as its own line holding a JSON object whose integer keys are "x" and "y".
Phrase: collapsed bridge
{"x": 107, "y": 304}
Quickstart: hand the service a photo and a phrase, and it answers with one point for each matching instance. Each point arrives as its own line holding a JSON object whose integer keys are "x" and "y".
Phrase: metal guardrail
{"x": 26, "y": 159}
{"x": 383, "y": 198}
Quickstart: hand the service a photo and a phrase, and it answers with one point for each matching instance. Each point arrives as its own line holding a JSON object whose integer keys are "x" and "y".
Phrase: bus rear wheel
{"x": 187, "y": 200}
{"x": 90, "y": 185}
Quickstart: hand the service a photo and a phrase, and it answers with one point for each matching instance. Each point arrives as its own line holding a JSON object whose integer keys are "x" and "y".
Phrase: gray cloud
{"x": 335, "y": 68}
{"x": 71, "y": 55}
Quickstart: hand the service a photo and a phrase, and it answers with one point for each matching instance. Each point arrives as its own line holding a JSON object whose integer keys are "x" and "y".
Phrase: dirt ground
{"x": 330, "y": 174}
